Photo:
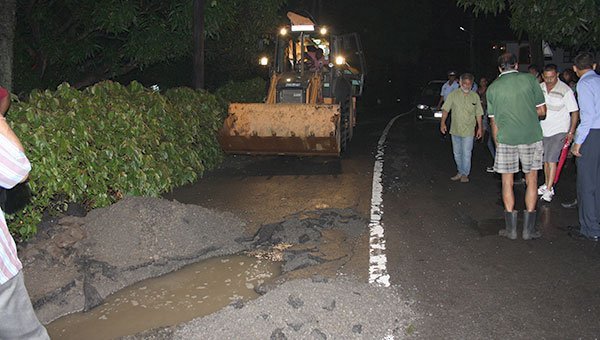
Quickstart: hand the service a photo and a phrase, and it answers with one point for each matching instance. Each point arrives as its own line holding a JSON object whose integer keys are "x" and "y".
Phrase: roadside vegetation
{"x": 97, "y": 145}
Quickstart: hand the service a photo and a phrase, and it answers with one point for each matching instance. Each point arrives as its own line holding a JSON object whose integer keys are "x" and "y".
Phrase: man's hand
{"x": 541, "y": 111}
{"x": 443, "y": 128}
{"x": 569, "y": 138}
{"x": 575, "y": 150}
{"x": 479, "y": 133}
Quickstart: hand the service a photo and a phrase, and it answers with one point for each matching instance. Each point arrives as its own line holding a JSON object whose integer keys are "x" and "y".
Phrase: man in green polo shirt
{"x": 515, "y": 105}
{"x": 466, "y": 114}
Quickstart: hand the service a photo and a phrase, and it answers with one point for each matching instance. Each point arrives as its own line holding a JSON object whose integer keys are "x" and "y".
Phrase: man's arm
{"x": 4, "y": 104}
{"x": 478, "y": 116}
{"x": 494, "y": 130}
{"x": 442, "y": 92}
{"x": 6, "y": 131}
{"x": 443, "y": 128}
{"x": 586, "y": 110}
{"x": 445, "y": 111}
{"x": 440, "y": 101}
{"x": 541, "y": 111}
{"x": 479, "y": 132}
{"x": 574, "y": 121}
{"x": 15, "y": 162}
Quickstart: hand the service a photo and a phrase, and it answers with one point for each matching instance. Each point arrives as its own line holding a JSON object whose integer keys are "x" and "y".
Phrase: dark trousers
{"x": 588, "y": 184}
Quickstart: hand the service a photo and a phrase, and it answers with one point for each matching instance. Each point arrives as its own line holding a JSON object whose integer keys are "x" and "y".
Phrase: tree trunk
{"x": 535, "y": 48}
{"x": 7, "y": 34}
{"x": 198, "y": 36}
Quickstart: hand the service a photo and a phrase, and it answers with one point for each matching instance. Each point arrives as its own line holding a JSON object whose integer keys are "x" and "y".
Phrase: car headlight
{"x": 422, "y": 107}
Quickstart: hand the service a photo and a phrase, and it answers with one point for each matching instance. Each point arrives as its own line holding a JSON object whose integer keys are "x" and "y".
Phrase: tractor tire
{"x": 342, "y": 93}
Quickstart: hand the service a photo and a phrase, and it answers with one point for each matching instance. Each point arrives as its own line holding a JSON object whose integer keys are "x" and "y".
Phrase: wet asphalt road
{"x": 468, "y": 282}
{"x": 442, "y": 243}
{"x": 268, "y": 189}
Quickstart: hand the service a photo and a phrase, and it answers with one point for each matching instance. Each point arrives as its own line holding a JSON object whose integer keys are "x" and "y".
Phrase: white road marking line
{"x": 378, "y": 274}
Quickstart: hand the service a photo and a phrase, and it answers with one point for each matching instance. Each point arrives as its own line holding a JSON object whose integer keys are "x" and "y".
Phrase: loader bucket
{"x": 281, "y": 129}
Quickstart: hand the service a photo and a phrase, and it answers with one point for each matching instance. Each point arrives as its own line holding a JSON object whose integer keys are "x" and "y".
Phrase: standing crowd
{"x": 532, "y": 119}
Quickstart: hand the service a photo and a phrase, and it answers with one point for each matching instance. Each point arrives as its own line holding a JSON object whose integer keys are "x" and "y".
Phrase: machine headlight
{"x": 339, "y": 60}
{"x": 422, "y": 107}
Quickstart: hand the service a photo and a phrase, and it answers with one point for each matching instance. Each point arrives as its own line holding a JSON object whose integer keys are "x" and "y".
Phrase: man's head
{"x": 483, "y": 82}
{"x": 534, "y": 70}
{"x": 507, "y": 62}
{"x": 550, "y": 75}
{"x": 568, "y": 75}
{"x": 583, "y": 63}
{"x": 451, "y": 77}
{"x": 319, "y": 53}
{"x": 466, "y": 82}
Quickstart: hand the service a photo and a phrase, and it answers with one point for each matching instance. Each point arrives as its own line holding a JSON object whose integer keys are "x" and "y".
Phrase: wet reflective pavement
{"x": 470, "y": 283}
{"x": 193, "y": 291}
{"x": 260, "y": 190}
{"x": 442, "y": 243}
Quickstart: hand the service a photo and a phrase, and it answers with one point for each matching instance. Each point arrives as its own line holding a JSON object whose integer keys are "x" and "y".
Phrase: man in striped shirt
{"x": 17, "y": 318}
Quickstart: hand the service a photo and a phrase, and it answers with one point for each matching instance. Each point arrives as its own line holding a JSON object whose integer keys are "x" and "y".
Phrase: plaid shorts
{"x": 508, "y": 157}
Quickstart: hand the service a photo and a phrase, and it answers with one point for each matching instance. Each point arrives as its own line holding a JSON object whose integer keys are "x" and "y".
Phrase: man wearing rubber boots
{"x": 515, "y": 105}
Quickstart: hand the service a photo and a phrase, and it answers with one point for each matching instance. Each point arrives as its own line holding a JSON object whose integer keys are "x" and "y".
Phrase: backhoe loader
{"x": 310, "y": 106}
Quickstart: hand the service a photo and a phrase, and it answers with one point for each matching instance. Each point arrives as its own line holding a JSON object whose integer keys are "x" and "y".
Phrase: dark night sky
{"x": 409, "y": 42}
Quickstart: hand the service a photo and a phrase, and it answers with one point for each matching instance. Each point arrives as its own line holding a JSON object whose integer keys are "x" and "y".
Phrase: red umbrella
{"x": 563, "y": 158}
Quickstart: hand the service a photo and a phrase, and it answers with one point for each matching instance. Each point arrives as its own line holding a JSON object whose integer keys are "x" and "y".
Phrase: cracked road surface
{"x": 441, "y": 236}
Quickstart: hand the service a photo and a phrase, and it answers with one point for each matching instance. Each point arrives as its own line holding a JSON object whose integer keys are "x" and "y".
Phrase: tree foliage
{"x": 235, "y": 52}
{"x": 569, "y": 23}
{"x": 97, "y": 145}
{"x": 85, "y": 41}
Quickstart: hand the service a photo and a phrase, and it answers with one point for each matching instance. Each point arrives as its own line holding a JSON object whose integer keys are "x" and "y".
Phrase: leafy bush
{"x": 247, "y": 91}
{"x": 97, "y": 145}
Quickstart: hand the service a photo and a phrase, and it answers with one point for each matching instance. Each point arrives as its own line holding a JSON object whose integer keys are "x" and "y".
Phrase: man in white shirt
{"x": 17, "y": 317}
{"x": 559, "y": 126}
{"x": 449, "y": 86}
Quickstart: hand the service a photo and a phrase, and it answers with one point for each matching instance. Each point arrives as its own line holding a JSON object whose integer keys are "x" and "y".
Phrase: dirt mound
{"x": 77, "y": 263}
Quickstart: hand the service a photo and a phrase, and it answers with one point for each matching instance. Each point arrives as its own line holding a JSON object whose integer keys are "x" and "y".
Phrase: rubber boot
{"x": 530, "y": 232}
{"x": 510, "y": 219}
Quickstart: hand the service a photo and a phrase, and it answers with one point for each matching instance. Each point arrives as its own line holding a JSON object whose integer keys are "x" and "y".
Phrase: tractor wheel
{"x": 343, "y": 97}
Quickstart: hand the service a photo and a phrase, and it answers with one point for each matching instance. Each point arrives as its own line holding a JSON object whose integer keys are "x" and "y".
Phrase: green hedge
{"x": 97, "y": 145}
{"x": 246, "y": 91}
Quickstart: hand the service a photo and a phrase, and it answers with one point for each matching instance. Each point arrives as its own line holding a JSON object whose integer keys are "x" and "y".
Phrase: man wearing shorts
{"x": 515, "y": 101}
{"x": 559, "y": 126}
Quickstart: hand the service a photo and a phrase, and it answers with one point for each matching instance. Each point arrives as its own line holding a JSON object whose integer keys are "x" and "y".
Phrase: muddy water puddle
{"x": 195, "y": 290}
